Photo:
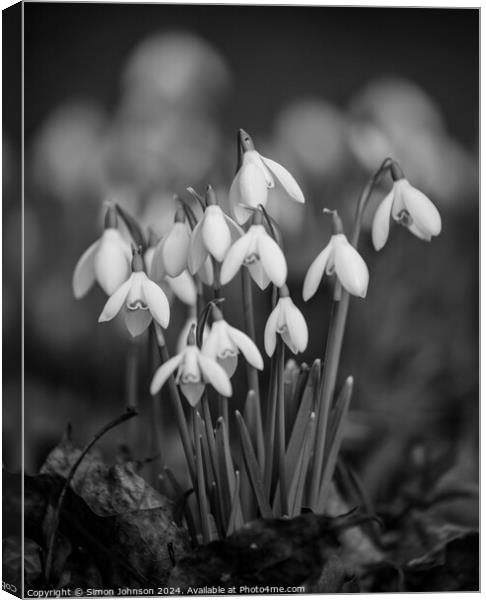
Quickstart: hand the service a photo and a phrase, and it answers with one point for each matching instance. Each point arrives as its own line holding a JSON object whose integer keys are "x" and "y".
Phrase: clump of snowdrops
{"x": 288, "y": 440}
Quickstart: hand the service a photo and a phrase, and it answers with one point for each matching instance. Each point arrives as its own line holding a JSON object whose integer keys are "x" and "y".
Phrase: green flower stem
{"x": 200, "y": 482}
{"x": 216, "y": 279}
{"x": 335, "y": 341}
{"x": 252, "y": 374}
{"x": 155, "y": 404}
{"x": 176, "y": 402}
{"x": 223, "y": 409}
{"x": 270, "y": 418}
{"x": 284, "y": 504}
{"x": 132, "y": 387}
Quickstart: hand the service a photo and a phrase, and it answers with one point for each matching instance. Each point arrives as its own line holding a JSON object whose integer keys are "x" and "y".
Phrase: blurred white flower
{"x": 255, "y": 177}
{"x": 411, "y": 208}
{"x": 142, "y": 299}
{"x": 261, "y": 254}
{"x": 107, "y": 261}
{"x": 341, "y": 258}
{"x": 194, "y": 371}
{"x": 286, "y": 320}
{"x": 177, "y": 67}
{"x": 68, "y": 152}
{"x": 224, "y": 342}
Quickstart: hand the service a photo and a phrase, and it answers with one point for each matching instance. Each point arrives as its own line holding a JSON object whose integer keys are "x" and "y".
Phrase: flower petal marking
{"x": 137, "y": 321}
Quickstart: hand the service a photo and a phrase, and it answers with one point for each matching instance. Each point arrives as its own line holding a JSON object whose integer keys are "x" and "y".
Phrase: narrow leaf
{"x": 235, "y": 520}
{"x": 252, "y": 468}
{"x": 201, "y": 484}
{"x": 296, "y": 492}
{"x": 334, "y": 438}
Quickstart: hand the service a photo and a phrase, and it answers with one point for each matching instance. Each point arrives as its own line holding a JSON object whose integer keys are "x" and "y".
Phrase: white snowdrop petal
{"x": 184, "y": 287}
{"x": 424, "y": 214}
{"x": 247, "y": 347}
{"x": 211, "y": 343}
{"x": 216, "y": 233}
{"x": 163, "y": 373}
{"x": 272, "y": 259}
{"x": 286, "y": 179}
{"x": 175, "y": 249}
{"x": 156, "y": 301}
{"x": 197, "y": 251}
{"x": 351, "y": 269}
{"x": 315, "y": 272}
{"x": 381, "y": 221}
{"x": 297, "y": 327}
{"x": 259, "y": 275}
{"x": 253, "y": 189}
{"x": 111, "y": 265}
{"x": 270, "y": 333}
{"x": 215, "y": 375}
{"x": 115, "y": 302}
{"x": 84, "y": 273}
{"x": 234, "y": 258}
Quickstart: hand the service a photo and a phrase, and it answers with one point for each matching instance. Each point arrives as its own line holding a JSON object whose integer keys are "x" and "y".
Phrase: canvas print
{"x": 240, "y": 300}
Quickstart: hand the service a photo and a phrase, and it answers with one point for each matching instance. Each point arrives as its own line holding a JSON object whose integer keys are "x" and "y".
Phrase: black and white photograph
{"x": 241, "y": 285}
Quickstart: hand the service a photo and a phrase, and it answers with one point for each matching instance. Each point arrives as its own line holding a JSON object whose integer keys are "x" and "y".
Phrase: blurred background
{"x": 136, "y": 102}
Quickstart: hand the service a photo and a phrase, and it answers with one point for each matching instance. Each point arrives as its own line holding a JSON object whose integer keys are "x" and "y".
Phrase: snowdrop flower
{"x": 255, "y": 177}
{"x": 224, "y": 342}
{"x": 341, "y": 258}
{"x": 173, "y": 249}
{"x": 182, "y": 285}
{"x": 142, "y": 300}
{"x": 194, "y": 371}
{"x": 408, "y": 206}
{"x": 107, "y": 261}
{"x": 287, "y": 320}
{"x": 260, "y": 253}
{"x": 212, "y": 235}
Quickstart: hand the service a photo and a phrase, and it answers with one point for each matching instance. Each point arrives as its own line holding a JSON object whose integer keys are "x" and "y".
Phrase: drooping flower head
{"x": 173, "y": 249}
{"x": 141, "y": 298}
{"x": 260, "y": 253}
{"x": 212, "y": 236}
{"x": 194, "y": 371}
{"x": 408, "y": 206}
{"x": 286, "y": 320}
{"x": 255, "y": 177}
{"x": 182, "y": 285}
{"x": 341, "y": 258}
{"x": 224, "y": 342}
{"x": 107, "y": 261}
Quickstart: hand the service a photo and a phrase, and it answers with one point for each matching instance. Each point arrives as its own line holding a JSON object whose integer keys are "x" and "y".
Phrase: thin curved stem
{"x": 335, "y": 341}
